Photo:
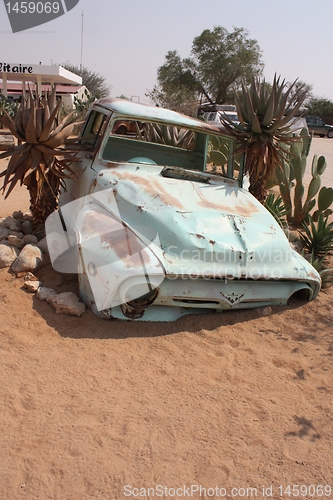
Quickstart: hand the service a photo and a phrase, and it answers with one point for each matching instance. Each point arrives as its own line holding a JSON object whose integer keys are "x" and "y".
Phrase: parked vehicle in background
{"x": 213, "y": 113}
{"x": 318, "y": 127}
{"x": 298, "y": 123}
{"x": 123, "y": 127}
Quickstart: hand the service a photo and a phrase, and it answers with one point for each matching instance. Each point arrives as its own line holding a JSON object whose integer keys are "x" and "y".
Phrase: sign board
{"x": 36, "y": 73}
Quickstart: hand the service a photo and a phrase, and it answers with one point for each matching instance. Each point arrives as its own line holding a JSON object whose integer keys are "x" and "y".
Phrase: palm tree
{"x": 263, "y": 131}
{"x": 38, "y": 161}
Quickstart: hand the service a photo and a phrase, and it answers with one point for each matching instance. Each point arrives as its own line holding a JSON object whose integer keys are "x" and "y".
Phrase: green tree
{"x": 6, "y": 106}
{"x": 95, "y": 83}
{"x": 218, "y": 60}
{"x": 322, "y": 107}
{"x": 224, "y": 59}
{"x": 122, "y": 96}
{"x": 177, "y": 87}
{"x": 306, "y": 88}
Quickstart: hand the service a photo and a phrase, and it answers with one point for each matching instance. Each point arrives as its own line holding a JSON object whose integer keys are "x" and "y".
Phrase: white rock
{"x": 28, "y": 260}
{"x": 14, "y": 241}
{"x": 44, "y": 293}
{"x": 30, "y": 239}
{"x": 30, "y": 277}
{"x": 42, "y": 244}
{"x": 8, "y": 255}
{"x": 11, "y": 223}
{"x": 67, "y": 303}
{"x": 32, "y": 286}
{"x": 264, "y": 311}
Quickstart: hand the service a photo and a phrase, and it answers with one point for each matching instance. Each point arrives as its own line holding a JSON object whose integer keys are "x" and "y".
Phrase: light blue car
{"x": 157, "y": 230}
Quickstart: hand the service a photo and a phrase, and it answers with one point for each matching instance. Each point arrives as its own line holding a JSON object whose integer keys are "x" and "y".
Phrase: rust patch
{"x": 230, "y": 205}
{"x": 138, "y": 260}
{"x": 97, "y": 222}
{"x": 93, "y": 185}
{"x": 114, "y": 235}
{"x": 127, "y": 247}
{"x": 125, "y": 244}
{"x": 152, "y": 188}
{"x": 232, "y": 208}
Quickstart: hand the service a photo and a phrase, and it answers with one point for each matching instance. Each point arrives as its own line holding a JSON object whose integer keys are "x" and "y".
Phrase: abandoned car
{"x": 156, "y": 231}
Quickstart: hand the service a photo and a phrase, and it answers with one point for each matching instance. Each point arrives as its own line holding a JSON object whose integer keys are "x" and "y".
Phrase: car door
{"x": 320, "y": 127}
{"x": 88, "y": 145}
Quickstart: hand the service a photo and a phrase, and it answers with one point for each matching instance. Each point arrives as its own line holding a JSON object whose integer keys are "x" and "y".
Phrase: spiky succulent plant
{"x": 263, "y": 131}
{"x": 166, "y": 134}
{"x": 318, "y": 239}
{"x": 38, "y": 161}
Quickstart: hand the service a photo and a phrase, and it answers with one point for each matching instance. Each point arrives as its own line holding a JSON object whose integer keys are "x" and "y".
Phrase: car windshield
{"x": 132, "y": 141}
{"x": 159, "y": 143}
{"x": 155, "y": 133}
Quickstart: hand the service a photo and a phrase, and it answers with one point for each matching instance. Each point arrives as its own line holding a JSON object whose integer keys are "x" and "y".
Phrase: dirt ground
{"x": 234, "y": 404}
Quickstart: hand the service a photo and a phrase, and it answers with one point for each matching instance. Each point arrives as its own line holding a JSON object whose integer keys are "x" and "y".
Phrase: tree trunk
{"x": 48, "y": 200}
{"x": 257, "y": 186}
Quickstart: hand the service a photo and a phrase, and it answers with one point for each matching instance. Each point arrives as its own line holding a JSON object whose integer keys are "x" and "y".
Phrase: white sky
{"x": 126, "y": 41}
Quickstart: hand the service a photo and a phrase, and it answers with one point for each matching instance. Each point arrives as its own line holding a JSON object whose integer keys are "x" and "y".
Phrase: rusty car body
{"x": 156, "y": 234}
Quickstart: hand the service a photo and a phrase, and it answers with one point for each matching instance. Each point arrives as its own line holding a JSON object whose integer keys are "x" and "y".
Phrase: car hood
{"x": 205, "y": 224}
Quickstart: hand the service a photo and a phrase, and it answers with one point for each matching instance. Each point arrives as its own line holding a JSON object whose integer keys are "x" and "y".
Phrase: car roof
{"x": 144, "y": 112}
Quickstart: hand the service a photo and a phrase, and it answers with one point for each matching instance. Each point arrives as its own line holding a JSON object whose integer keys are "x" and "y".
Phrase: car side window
{"x": 94, "y": 129}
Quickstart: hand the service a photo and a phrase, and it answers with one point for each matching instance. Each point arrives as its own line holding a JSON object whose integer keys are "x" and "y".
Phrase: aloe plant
{"x": 274, "y": 204}
{"x": 264, "y": 129}
{"x": 318, "y": 239}
{"x": 166, "y": 134}
{"x": 39, "y": 162}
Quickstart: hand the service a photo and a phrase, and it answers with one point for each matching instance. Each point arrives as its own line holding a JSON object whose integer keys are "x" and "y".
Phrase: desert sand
{"x": 235, "y": 404}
